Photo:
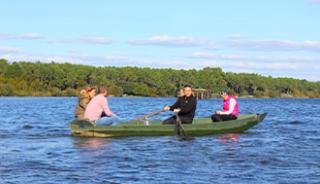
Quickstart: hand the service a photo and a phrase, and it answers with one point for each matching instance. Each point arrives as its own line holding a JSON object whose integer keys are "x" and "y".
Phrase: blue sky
{"x": 268, "y": 37}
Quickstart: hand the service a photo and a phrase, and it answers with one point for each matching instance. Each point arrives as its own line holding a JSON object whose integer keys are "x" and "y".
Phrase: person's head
{"x": 187, "y": 90}
{"x": 103, "y": 90}
{"x": 91, "y": 90}
{"x": 224, "y": 95}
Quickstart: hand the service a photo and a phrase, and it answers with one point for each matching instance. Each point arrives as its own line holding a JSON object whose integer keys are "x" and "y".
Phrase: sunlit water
{"x": 36, "y": 146}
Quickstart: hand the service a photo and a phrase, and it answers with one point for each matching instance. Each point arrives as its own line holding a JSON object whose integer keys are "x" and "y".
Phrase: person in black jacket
{"x": 185, "y": 106}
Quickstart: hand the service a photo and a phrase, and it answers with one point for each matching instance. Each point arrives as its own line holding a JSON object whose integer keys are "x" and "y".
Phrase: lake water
{"x": 36, "y": 146}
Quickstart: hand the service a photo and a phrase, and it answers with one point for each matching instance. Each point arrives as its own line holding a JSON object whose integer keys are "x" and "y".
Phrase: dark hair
{"x": 102, "y": 89}
{"x": 225, "y": 92}
{"x": 187, "y": 86}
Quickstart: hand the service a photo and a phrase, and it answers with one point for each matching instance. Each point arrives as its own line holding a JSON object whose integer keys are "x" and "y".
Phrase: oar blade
{"x": 185, "y": 138}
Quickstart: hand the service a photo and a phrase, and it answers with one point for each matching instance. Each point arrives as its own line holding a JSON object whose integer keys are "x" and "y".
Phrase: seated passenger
{"x": 230, "y": 108}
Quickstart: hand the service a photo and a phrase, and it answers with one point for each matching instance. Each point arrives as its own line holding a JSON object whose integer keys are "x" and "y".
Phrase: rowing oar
{"x": 181, "y": 133}
{"x": 141, "y": 118}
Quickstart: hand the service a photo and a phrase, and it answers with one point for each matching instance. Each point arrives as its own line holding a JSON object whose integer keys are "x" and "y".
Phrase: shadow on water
{"x": 27, "y": 126}
{"x": 296, "y": 122}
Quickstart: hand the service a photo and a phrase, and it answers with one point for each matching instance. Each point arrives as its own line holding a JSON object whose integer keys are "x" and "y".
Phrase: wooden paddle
{"x": 181, "y": 133}
{"x": 141, "y": 118}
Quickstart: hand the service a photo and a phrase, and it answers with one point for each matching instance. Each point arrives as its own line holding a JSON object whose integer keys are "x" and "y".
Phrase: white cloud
{"x": 123, "y": 60}
{"x": 31, "y": 36}
{"x": 41, "y": 58}
{"x": 97, "y": 40}
{"x": 24, "y": 36}
{"x": 250, "y": 65}
{"x": 5, "y": 36}
{"x": 303, "y": 67}
{"x": 233, "y": 41}
{"x": 37, "y": 36}
{"x": 244, "y": 58}
{"x": 116, "y": 58}
{"x": 173, "y": 41}
{"x": 100, "y": 59}
{"x": 314, "y": 1}
{"x": 100, "y": 40}
{"x": 6, "y": 49}
{"x": 273, "y": 45}
{"x": 206, "y": 55}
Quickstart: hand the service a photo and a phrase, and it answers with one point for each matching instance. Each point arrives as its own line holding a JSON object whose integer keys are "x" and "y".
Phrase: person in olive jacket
{"x": 185, "y": 106}
{"x": 84, "y": 98}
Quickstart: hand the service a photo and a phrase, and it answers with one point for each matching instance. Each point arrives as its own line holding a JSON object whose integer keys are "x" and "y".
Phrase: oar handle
{"x": 154, "y": 113}
{"x": 148, "y": 115}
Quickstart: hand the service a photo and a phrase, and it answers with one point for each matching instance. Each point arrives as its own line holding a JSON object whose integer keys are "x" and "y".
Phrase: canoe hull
{"x": 200, "y": 127}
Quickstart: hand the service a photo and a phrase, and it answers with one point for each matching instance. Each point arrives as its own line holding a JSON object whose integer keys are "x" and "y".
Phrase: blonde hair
{"x": 181, "y": 93}
{"x": 85, "y": 92}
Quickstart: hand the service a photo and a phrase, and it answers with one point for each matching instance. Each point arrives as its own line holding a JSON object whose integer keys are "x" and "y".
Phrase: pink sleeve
{"x": 105, "y": 107}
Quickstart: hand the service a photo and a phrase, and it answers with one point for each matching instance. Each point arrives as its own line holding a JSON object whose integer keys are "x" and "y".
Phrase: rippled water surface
{"x": 36, "y": 146}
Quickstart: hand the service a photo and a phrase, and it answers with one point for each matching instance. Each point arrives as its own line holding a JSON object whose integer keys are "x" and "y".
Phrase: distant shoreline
{"x": 65, "y": 79}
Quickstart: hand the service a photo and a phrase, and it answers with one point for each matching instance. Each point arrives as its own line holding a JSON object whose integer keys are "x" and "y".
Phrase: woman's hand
{"x": 166, "y": 108}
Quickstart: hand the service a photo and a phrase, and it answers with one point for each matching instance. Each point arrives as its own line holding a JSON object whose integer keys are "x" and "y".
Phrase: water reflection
{"x": 226, "y": 138}
{"x": 94, "y": 143}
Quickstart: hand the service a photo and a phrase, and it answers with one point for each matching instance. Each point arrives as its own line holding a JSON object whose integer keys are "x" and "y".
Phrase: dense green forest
{"x": 55, "y": 79}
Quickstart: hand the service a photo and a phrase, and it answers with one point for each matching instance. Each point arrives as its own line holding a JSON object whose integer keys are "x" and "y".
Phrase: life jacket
{"x": 226, "y": 105}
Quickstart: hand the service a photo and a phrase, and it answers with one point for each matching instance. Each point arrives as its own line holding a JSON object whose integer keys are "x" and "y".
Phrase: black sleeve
{"x": 175, "y": 105}
{"x": 189, "y": 107}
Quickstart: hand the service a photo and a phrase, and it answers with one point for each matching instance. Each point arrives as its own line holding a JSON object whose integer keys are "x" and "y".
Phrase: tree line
{"x": 65, "y": 79}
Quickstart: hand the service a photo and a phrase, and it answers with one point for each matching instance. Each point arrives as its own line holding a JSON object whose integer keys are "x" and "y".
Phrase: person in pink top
{"x": 98, "y": 110}
{"x": 230, "y": 108}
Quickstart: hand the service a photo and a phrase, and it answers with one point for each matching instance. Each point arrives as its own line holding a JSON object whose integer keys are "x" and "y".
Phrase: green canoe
{"x": 199, "y": 127}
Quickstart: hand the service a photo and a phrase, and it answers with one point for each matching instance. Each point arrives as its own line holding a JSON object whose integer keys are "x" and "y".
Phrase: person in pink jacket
{"x": 98, "y": 110}
{"x": 230, "y": 108}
